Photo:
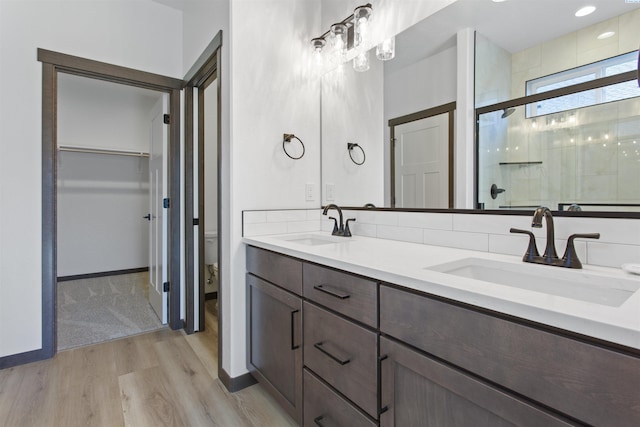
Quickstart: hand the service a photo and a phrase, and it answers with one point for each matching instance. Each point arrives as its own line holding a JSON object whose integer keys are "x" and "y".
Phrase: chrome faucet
{"x": 340, "y": 229}
{"x": 550, "y": 257}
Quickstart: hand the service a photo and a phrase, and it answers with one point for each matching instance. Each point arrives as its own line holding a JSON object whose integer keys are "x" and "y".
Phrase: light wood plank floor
{"x": 163, "y": 378}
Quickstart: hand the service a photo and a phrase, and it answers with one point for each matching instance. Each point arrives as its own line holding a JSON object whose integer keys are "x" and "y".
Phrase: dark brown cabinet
{"x": 275, "y": 339}
{"x": 367, "y": 352}
{"x": 419, "y": 391}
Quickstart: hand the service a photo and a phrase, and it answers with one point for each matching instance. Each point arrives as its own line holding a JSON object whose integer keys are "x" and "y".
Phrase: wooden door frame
{"x": 200, "y": 75}
{"x": 424, "y": 114}
{"x": 52, "y": 64}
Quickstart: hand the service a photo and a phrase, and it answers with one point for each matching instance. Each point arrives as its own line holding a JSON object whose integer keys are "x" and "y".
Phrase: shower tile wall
{"x": 589, "y": 154}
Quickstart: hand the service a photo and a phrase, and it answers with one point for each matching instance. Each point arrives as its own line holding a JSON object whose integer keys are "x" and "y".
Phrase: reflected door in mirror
{"x": 421, "y": 163}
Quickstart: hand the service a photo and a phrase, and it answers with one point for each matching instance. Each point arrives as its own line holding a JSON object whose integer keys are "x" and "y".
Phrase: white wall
{"x": 274, "y": 91}
{"x": 142, "y": 35}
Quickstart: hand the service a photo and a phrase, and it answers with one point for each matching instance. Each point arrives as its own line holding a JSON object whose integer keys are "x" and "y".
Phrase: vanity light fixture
{"x": 587, "y": 10}
{"x": 361, "y": 20}
{"x": 339, "y": 37}
{"x": 353, "y": 32}
{"x": 386, "y": 50}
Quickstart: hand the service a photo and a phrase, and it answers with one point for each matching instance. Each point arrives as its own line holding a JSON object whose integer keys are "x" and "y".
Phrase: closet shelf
{"x": 95, "y": 150}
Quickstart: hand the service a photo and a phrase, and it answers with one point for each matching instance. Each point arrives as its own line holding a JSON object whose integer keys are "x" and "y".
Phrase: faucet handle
{"x": 347, "y": 232}
{"x": 335, "y": 231}
{"x": 532, "y": 249}
{"x": 570, "y": 257}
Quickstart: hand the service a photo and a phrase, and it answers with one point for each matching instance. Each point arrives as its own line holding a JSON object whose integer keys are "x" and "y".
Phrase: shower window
{"x": 608, "y": 67}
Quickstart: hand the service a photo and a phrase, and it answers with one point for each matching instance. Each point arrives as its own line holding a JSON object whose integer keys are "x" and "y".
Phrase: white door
{"x": 158, "y": 219}
{"x": 422, "y": 163}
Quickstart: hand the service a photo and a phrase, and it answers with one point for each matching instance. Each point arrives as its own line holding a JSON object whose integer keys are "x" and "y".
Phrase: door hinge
{"x": 196, "y": 221}
{"x": 166, "y": 286}
{"x": 167, "y": 119}
{"x": 165, "y": 203}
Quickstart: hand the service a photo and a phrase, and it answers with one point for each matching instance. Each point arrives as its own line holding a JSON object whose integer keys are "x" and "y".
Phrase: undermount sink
{"x": 314, "y": 239}
{"x": 574, "y": 284}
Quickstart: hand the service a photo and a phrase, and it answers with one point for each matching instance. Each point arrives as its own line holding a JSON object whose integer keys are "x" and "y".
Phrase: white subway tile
{"x": 515, "y": 244}
{"x": 253, "y": 217}
{"x": 612, "y": 230}
{"x": 378, "y": 217}
{"x": 492, "y": 224}
{"x": 286, "y": 215}
{"x": 314, "y": 214}
{"x": 456, "y": 239}
{"x": 262, "y": 229}
{"x": 612, "y": 255}
{"x": 366, "y": 230}
{"x": 405, "y": 234}
{"x": 437, "y": 221}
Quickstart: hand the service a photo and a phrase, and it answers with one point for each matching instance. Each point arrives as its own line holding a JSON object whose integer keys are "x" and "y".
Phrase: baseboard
{"x": 23, "y": 358}
{"x": 102, "y": 274}
{"x": 237, "y": 383}
{"x": 210, "y": 295}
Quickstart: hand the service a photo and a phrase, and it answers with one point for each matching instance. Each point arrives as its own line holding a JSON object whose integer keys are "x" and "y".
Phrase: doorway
{"x": 203, "y": 188}
{"x": 54, "y": 63}
{"x": 422, "y": 159}
{"x": 111, "y": 139}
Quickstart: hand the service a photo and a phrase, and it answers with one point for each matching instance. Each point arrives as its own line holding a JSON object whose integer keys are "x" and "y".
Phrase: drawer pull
{"x": 343, "y": 362}
{"x": 293, "y": 333}
{"x": 330, "y": 291}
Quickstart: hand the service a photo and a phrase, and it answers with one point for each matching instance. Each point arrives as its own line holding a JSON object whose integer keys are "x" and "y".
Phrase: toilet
{"x": 211, "y": 261}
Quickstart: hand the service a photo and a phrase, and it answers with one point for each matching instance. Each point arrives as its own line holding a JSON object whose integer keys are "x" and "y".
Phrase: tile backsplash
{"x": 619, "y": 241}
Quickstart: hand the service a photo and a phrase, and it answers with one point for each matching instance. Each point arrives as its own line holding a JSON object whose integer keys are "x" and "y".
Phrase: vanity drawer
{"x": 588, "y": 382}
{"x": 324, "y": 407}
{"x": 278, "y": 269}
{"x": 343, "y": 354}
{"x": 350, "y": 295}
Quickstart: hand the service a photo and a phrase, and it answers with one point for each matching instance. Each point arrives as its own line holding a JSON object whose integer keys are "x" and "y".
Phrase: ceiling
{"x": 514, "y": 25}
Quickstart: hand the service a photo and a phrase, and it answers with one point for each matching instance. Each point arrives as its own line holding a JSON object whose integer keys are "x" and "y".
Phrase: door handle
{"x": 147, "y": 216}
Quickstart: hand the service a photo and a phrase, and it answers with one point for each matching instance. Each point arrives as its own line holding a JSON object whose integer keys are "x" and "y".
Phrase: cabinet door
{"x": 275, "y": 338}
{"x": 418, "y": 391}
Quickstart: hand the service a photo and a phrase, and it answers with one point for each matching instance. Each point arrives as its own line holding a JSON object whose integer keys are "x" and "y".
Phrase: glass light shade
{"x": 318, "y": 44}
{"x": 361, "y": 62}
{"x": 386, "y": 50}
{"x": 361, "y": 20}
{"x": 339, "y": 38}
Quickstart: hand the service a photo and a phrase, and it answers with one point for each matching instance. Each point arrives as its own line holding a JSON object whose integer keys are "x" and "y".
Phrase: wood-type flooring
{"x": 162, "y": 378}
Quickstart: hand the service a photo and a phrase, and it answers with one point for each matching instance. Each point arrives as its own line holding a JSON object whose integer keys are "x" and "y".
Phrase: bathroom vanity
{"x": 363, "y": 332}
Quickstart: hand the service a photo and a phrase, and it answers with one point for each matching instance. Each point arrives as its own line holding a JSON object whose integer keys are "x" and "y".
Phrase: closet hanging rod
{"x": 111, "y": 151}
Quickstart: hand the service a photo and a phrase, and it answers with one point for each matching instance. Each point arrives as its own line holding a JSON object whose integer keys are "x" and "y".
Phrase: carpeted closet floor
{"x": 103, "y": 308}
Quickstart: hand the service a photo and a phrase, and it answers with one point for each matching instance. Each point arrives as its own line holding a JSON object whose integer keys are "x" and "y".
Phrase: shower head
{"x": 507, "y": 112}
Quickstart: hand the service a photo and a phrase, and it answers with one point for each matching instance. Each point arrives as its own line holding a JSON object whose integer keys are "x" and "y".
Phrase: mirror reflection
{"x": 415, "y": 99}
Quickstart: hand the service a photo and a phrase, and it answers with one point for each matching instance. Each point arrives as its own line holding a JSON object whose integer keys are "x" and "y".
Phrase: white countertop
{"x": 407, "y": 265}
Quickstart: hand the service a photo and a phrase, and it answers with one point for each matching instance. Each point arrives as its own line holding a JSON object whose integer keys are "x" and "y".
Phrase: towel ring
{"x": 350, "y": 147}
{"x": 287, "y": 138}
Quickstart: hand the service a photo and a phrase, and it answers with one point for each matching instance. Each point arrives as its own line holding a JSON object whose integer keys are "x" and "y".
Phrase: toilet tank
{"x": 210, "y": 247}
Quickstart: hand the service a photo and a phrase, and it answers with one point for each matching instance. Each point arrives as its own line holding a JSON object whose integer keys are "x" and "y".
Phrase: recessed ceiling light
{"x": 498, "y": 1}
{"x": 606, "y": 35}
{"x": 587, "y": 10}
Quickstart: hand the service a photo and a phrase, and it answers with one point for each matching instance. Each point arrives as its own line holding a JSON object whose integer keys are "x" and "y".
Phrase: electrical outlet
{"x": 310, "y": 192}
{"x": 330, "y": 192}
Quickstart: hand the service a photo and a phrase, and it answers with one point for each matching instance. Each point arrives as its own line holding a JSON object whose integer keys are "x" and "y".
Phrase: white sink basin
{"x": 314, "y": 239}
{"x": 568, "y": 283}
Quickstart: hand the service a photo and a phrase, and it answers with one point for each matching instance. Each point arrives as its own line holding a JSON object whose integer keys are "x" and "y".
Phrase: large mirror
{"x": 414, "y": 100}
